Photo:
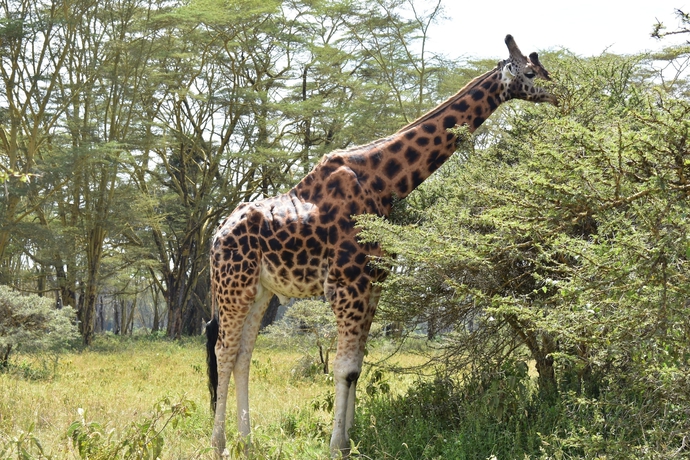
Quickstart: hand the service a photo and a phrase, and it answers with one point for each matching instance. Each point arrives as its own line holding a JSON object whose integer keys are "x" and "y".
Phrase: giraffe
{"x": 304, "y": 242}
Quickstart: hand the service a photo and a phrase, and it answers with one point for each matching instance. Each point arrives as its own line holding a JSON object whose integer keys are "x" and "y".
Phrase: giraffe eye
{"x": 529, "y": 74}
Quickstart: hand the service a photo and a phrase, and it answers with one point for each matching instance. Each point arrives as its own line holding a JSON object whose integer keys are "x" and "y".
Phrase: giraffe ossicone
{"x": 304, "y": 242}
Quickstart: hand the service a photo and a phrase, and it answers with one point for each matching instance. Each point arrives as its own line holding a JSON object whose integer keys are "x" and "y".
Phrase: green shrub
{"x": 477, "y": 418}
{"x": 142, "y": 439}
{"x": 32, "y": 323}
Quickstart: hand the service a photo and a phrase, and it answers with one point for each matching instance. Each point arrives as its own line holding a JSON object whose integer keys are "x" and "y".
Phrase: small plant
{"x": 24, "y": 446}
{"x": 43, "y": 366}
{"x": 377, "y": 385}
{"x": 312, "y": 321}
{"x": 141, "y": 440}
{"x": 324, "y": 402}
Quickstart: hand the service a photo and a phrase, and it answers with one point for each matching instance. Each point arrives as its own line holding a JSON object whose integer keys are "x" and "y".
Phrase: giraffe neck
{"x": 411, "y": 155}
{"x": 396, "y": 165}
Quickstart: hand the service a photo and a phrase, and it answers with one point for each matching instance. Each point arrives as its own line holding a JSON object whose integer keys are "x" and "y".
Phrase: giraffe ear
{"x": 508, "y": 69}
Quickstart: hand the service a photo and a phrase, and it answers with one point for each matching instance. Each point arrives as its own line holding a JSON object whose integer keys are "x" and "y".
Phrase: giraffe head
{"x": 518, "y": 73}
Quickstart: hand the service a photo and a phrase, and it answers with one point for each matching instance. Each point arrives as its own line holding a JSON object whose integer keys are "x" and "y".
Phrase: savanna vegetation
{"x": 146, "y": 397}
{"x": 539, "y": 298}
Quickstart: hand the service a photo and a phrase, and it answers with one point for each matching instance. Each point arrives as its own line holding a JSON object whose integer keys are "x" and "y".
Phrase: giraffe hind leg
{"x": 239, "y": 321}
{"x": 226, "y": 354}
{"x": 243, "y": 360}
{"x": 347, "y": 365}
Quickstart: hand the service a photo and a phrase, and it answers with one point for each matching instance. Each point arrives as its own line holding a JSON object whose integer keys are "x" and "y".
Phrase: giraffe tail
{"x": 211, "y": 339}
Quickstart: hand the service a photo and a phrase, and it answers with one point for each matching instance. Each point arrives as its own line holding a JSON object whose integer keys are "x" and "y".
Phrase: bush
{"x": 310, "y": 325}
{"x": 483, "y": 416}
{"x": 141, "y": 440}
{"x": 32, "y": 323}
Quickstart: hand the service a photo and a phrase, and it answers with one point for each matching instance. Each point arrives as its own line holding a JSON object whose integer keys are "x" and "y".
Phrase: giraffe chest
{"x": 294, "y": 266}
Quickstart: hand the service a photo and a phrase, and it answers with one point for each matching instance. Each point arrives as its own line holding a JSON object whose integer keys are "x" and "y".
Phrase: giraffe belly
{"x": 297, "y": 282}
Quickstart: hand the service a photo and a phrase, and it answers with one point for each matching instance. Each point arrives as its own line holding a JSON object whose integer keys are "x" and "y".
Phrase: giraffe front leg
{"x": 354, "y": 320}
{"x": 346, "y": 370}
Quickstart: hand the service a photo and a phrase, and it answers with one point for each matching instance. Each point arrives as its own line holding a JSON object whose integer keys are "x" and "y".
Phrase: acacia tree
{"x": 35, "y": 41}
{"x": 77, "y": 209}
{"x": 564, "y": 242}
{"x": 104, "y": 125}
{"x": 140, "y": 123}
{"x": 205, "y": 105}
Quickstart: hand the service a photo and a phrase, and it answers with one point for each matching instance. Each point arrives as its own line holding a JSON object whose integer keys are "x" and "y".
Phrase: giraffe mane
{"x": 444, "y": 105}
{"x": 426, "y": 116}
{"x": 422, "y": 119}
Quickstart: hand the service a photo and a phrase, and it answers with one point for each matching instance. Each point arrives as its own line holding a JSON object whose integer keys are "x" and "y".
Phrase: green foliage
{"x": 565, "y": 241}
{"x": 485, "y": 415}
{"x": 24, "y": 446}
{"x": 141, "y": 440}
{"x": 308, "y": 324}
{"x": 32, "y": 323}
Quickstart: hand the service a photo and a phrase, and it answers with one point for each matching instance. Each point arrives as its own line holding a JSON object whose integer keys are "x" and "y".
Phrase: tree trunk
{"x": 100, "y": 315}
{"x": 86, "y": 313}
{"x": 9, "y": 210}
{"x": 431, "y": 325}
{"x": 129, "y": 324}
{"x": 192, "y": 320}
{"x": 541, "y": 345}
{"x": 41, "y": 281}
{"x": 547, "y": 376}
{"x": 123, "y": 317}
{"x": 116, "y": 317}
{"x": 155, "y": 327}
{"x": 194, "y": 312}
{"x": 175, "y": 304}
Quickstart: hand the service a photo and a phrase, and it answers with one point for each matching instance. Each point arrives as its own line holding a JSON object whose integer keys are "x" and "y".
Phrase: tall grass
{"x": 146, "y": 398}
{"x": 115, "y": 383}
{"x": 149, "y": 396}
{"x": 447, "y": 418}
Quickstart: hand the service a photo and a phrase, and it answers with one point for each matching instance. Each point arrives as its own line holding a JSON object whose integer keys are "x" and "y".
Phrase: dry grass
{"x": 119, "y": 381}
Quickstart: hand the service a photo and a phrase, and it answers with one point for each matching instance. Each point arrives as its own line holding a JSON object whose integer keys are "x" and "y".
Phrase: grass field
{"x": 115, "y": 396}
